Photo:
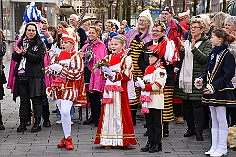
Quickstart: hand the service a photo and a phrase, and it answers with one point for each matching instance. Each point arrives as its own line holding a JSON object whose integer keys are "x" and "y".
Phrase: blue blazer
{"x": 220, "y": 81}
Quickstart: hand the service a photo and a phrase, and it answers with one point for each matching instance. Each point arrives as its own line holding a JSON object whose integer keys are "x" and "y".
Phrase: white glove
{"x": 139, "y": 83}
{"x": 176, "y": 69}
{"x": 198, "y": 82}
{"x": 111, "y": 74}
{"x": 106, "y": 69}
{"x": 209, "y": 88}
{"x": 56, "y": 67}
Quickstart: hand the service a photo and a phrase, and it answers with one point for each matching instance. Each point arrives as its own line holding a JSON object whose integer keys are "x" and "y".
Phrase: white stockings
{"x": 219, "y": 129}
{"x": 64, "y": 107}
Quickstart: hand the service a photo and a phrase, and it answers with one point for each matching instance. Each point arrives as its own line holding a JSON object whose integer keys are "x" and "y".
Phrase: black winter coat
{"x": 34, "y": 59}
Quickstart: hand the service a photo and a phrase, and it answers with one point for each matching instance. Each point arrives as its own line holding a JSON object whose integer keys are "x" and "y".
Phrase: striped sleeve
{"x": 75, "y": 70}
{"x": 53, "y": 60}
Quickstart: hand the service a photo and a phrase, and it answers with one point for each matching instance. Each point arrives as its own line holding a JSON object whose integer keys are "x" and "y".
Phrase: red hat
{"x": 68, "y": 34}
{"x": 157, "y": 50}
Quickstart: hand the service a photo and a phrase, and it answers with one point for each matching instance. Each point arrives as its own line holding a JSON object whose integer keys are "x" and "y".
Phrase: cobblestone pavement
{"x": 43, "y": 143}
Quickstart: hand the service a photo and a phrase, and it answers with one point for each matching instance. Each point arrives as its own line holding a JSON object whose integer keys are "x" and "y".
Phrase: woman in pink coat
{"x": 93, "y": 51}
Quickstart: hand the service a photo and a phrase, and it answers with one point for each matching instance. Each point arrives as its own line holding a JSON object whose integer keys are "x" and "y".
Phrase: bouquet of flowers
{"x": 100, "y": 64}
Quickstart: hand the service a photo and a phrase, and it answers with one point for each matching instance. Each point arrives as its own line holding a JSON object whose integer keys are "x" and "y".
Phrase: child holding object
{"x": 152, "y": 99}
{"x": 115, "y": 127}
{"x": 218, "y": 92}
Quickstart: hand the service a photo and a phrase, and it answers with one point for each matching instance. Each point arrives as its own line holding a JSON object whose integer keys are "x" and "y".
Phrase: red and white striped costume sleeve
{"x": 75, "y": 70}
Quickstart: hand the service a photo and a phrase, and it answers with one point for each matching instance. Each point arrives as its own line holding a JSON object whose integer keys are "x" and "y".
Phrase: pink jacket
{"x": 11, "y": 77}
{"x": 145, "y": 37}
{"x": 99, "y": 52}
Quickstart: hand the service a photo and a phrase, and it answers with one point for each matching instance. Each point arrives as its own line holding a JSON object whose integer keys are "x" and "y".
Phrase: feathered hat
{"x": 31, "y": 13}
{"x": 68, "y": 34}
{"x": 156, "y": 50}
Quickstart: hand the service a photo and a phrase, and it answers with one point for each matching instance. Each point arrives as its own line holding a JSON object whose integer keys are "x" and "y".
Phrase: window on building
{"x": 79, "y": 9}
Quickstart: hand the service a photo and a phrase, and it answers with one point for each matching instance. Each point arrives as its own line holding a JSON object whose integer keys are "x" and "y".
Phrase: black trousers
{"x": 194, "y": 115}
{"x": 207, "y": 113}
{"x": 95, "y": 104}
{"x": 45, "y": 106}
{"x": 25, "y": 101}
{"x": 154, "y": 125}
{"x": 178, "y": 110}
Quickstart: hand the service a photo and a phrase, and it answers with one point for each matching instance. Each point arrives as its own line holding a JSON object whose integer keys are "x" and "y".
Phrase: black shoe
{"x": 2, "y": 127}
{"x": 22, "y": 126}
{"x": 87, "y": 122}
{"x": 37, "y": 126}
{"x": 96, "y": 123}
{"x": 1, "y": 124}
{"x": 146, "y": 133}
{"x": 47, "y": 124}
{"x": 146, "y": 148}
{"x": 54, "y": 111}
{"x": 189, "y": 133}
{"x": 21, "y": 129}
{"x": 199, "y": 136}
{"x": 154, "y": 149}
{"x": 166, "y": 134}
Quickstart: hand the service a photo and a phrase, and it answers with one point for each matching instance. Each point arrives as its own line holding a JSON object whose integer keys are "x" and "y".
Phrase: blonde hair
{"x": 200, "y": 21}
{"x": 121, "y": 38}
{"x": 98, "y": 31}
{"x": 219, "y": 20}
{"x": 206, "y": 18}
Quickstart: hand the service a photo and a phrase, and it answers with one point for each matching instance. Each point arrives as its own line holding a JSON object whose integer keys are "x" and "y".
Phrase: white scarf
{"x": 186, "y": 73}
{"x": 22, "y": 64}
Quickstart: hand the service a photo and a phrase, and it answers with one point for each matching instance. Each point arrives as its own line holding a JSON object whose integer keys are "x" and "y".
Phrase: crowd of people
{"x": 191, "y": 59}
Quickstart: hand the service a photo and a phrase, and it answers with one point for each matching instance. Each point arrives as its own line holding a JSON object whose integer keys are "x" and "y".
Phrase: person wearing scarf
{"x": 29, "y": 72}
{"x": 218, "y": 92}
{"x": 193, "y": 54}
{"x": 93, "y": 51}
{"x": 68, "y": 82}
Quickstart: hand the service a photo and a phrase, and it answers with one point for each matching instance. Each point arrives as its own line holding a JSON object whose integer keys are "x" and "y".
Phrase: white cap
{"x": 146, "y": 13}
{"x": 184, "y": 14}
